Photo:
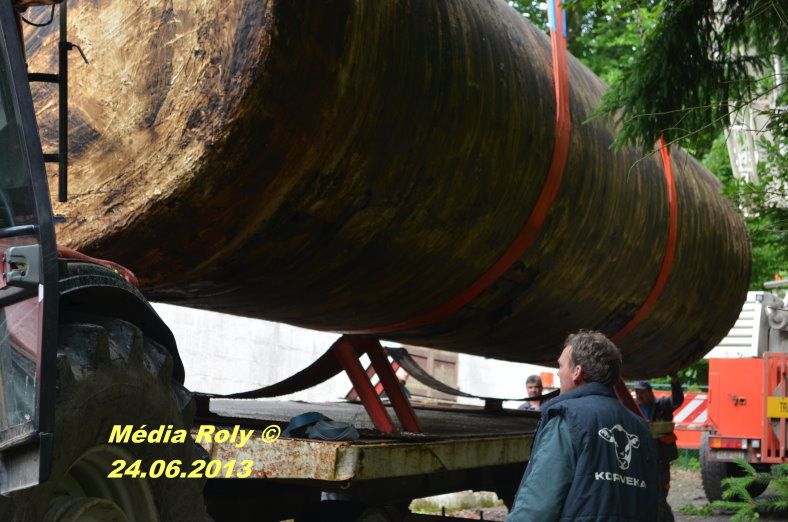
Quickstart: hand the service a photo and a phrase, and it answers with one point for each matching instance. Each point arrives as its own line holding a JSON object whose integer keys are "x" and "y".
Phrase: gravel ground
{"x": 686, "y": 488}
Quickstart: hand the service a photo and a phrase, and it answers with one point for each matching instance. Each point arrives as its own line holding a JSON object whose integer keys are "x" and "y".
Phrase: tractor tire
{"x": 713, "y": 472}
{"x": 110, "y": 374}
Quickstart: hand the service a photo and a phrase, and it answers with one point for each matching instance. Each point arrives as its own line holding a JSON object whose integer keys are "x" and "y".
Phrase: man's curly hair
{"x": 597, "y": 356}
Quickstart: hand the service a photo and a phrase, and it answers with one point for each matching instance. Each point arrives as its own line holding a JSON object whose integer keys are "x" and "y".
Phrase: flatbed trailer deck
{"x": 459, "y": 449}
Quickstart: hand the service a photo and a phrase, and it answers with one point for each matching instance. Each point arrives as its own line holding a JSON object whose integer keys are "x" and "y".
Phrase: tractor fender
{"x": 95, "y": 289}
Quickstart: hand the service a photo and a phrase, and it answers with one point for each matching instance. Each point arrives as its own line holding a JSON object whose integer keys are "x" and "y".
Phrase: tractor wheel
{"x": 109, "y": 374}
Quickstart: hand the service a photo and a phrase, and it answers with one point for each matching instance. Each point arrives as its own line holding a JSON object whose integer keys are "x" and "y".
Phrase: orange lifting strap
{"x": 558, "y": 35}
{"x": 549, "y": 191}
{"x": 670, "y": 245}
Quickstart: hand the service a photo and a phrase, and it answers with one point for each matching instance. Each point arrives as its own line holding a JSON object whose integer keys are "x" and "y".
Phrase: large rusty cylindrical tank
{"x": 350, "y": 164}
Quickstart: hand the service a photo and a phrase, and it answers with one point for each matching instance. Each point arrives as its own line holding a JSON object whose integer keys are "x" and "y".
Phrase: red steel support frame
{"x": 401, "y": 404}
{"x": 626, "y": 399}
{"x": 347, "y": 351}
{"x": 352, "y": 395}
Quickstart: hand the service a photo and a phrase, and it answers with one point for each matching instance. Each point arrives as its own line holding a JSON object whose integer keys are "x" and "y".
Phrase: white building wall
{"x": 226, "y": 354}
{"x": 748, "y": 130}
{"x": 494, "y": 378}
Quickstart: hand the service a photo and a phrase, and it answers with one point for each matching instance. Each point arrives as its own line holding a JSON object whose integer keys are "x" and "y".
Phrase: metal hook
{"x": 70, "y": 46}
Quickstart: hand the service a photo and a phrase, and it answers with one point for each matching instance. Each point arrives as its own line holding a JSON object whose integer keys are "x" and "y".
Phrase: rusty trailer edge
{"x": 302, "y": 459}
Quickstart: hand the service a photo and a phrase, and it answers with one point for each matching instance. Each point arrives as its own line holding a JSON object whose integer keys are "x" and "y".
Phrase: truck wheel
{"x": 757, "y": 488}
{"x": 109, "y": 374}
{"x": 713, "y": 472}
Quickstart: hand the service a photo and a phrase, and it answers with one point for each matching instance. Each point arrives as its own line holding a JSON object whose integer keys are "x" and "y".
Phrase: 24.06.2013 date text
{"x": 177, "y": 469}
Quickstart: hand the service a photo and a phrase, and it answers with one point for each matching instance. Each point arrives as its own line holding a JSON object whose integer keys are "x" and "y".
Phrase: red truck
{"x": 748, "y": 404}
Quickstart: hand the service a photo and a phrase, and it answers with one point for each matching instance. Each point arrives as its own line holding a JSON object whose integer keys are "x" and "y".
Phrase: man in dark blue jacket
{"x": 662, "y": 410}
{"x": 592, "y": 459}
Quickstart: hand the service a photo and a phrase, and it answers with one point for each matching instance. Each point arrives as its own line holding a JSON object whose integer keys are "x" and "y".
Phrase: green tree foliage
{"x": 697, "y": 65}
{"x": 702, "y": 62}
{"x": 693, "y": 378}
{"x": 764, "y": 202}
{"x": 608, "y": 35}
{"x": 681, "y": 68}
{"x": 697, "y": 511}
{"x": 736, "y": 498}
{"x": 605, "y": 35}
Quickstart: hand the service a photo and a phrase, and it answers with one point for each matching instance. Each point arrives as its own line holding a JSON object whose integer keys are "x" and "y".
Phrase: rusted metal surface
{"x": 383, "y": 460}
{"x": 347, "y": 164}
{"x": 625, "y": 396}
{"x": 290, "y": 459}
{"x": 344, "y": 461}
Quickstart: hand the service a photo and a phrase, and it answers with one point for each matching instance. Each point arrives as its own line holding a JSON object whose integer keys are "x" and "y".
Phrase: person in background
{"x": 402, "y": 383}
{"x": 533, "y": 386}
{"x": 662, "y": 410}
{"x": 592, "y": 458}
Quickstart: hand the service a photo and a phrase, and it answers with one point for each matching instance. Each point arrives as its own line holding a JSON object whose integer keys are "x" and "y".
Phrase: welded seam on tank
{"x": 670, "y": 246}
{"x": 538, "y": 215}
